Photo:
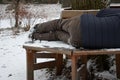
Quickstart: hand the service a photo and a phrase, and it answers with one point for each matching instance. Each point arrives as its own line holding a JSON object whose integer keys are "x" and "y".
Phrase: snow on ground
{"x": 12, "y": 54}
{"x": 13, "y": 58}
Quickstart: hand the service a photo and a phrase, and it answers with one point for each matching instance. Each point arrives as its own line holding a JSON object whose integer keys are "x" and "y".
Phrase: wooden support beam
{"x": 50, "y": 64}
{"x": 53, "y": 50}
{"x": 94, "y": 52}
{"x": 45, "y": 55}
{"x": 30, "y": 64}
{"x": 84, "y": 70}
{"x": 118, "y": 65}
{"x": 35, "y": 59}
{"x": 74, "y": 68}
{"x": 59, "y": 64}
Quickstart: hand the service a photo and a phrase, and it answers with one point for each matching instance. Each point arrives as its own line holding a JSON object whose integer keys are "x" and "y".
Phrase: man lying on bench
{"x": 88, "y": 31}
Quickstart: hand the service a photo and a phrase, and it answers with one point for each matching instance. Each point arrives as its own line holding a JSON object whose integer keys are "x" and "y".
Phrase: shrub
{"x": 88, "y": 4}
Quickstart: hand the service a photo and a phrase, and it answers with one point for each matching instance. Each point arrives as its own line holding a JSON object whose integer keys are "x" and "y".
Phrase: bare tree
{"x": 16, "y": 5}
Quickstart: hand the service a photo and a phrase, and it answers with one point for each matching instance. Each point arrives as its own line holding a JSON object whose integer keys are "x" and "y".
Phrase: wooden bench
{"x": 57, "y": 53}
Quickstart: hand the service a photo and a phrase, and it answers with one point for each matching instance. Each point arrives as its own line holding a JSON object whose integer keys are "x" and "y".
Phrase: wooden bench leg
{"x": 35, "y": 58}
{"x": 118, "y": 65}
{"x": 84, "y": 70}
{"x": 59, "y": 64}
{"x": 30, "y": 64}
{"x": 74, "y": 68}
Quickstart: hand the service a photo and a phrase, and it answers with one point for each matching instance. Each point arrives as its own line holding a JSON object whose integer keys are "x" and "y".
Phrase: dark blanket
{"x": 100, "y": 32}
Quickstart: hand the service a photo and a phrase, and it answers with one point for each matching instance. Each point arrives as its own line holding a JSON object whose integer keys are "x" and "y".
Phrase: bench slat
{"x": 50, "y": 64}
{"x": 95, "y": 52}
{"x": 45, "y": 55}
{"x": 53, "y": 50}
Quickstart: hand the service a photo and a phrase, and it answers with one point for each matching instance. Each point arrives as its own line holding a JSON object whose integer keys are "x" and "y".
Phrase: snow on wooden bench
{"x": 56, "y": 49}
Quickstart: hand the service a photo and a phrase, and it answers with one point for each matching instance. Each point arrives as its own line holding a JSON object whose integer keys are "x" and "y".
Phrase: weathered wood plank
{"x": 118, "y": 65}
{"x": 94, "y": 52}
{"x": 30, "y": 64}
{"x": 50, "y": 64}
{"x": 115, "y": 5}
{"x": 59, "y": 64}
{"x": 53, "y": 50}
{"x": 71, "y": 13}
{"x": 45, "y": 55}
{"x": 74, "y": 68}
{"x": 84, "y": 70}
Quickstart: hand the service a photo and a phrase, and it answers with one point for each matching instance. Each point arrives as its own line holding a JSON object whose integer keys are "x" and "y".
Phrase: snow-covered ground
{"x": 12, "y": 54}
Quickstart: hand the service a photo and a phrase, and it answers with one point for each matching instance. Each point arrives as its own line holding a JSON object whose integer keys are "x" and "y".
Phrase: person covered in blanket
{"x": 88, "y": 31}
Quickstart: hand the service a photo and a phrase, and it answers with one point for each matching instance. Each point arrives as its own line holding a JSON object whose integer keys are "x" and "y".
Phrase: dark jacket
{"x": 102, "y": 31}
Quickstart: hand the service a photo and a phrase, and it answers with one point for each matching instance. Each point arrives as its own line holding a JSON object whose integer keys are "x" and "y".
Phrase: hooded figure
{"x": 88, "y": 31}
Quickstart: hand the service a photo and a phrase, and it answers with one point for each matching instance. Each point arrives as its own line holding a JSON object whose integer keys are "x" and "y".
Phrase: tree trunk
{"x": 16, "y": 2}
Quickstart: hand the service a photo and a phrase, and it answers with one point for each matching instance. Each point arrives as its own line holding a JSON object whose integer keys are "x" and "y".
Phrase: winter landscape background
{"x": 12, "y": 54}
